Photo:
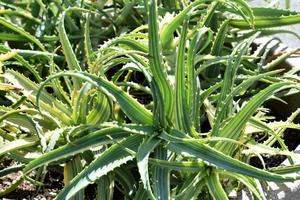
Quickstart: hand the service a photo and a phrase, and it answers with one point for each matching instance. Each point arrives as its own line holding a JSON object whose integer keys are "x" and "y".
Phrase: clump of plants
{"x": 147, "y": 99}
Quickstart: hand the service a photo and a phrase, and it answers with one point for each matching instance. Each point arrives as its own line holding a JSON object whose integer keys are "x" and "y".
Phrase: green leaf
{"x": 104, "y": 187}
{"x": 179, "y": 166}
{"x": 73, "y": 63}
{"x": 127, "y": 180}
{"x": 101, "y": 109}
{"x": 187, "y": 191}
{"x": 272, "y": 12}
{"x": 228, "y": 82}
{"x": 244, "y": 10}
{"x": 80, "y": 104}
{"x": 219, "y": 159}
{"x": 23, "y": 121}
{"x": 161, "y": 176}
{"x": 18, "y": 144}
{"x": 134, "y": 110}
{"x": 31, "y": 91}
{"x": 156, "y": 64}
{"x": 20, "y": 13}
{"x": 193, "y": 82}
{"x": 216, "y": 49}
{"x": 280, "y": 59}
{"x": 131, "y": 43}
{"x": 233, "y": 128}
{"x": 286, "y": 169}
{"x": 215, "y": 187}
{"x": 97, "y": 138}
{"x": 141, "y": 193}
{"x": 19, "y": 30}
{"x": 26, "y": 64}
{"x": 142, "y": 161}
{"x": 169, "y": 29}
{"x": 112, "y": 158}
{"x": 266, "y": 22}
{"x": 242, "y": 87}
{"x": 182, "y": 117}
{"x": 71, "y": 169}
{"x": 87, "y": 40}
{"x": 11, "y": 169}
{"x": 267, "y": 150}
{"x": 249, "y": 182}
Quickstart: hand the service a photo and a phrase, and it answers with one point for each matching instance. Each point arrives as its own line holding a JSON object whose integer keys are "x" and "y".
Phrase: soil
{"x": 291, "y": 139}
{"x": 27, "y": 191}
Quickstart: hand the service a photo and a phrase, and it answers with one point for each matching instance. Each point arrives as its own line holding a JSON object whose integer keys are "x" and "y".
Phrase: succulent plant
{"x": 152, "y": 104}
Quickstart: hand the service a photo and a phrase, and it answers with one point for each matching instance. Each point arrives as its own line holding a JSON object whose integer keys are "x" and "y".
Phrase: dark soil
{"x": 291, "y": 139}
{"x": 53, "y": 183}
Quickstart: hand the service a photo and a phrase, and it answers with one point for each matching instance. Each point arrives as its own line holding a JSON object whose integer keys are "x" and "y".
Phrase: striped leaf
{"x": 156, "y": 64}
{"x": 101, "y": 137}
{"x": 215, "y": 187}
{"x": 112, "y": 158}
{"x": 219, "y": 159}
{"x": 130, "y": 106}
{"x": 142, "y": 162}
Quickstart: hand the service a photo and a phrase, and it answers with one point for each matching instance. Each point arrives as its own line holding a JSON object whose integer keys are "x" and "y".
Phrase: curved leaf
{"x": 156, "y": 62}
{"x": 142, "y": 161}
{"x": 112, "y": 158}
{"x": 219, "y": 159}
{"x": 18, "y": 144}
{"x": 215, "y": 187}
{"x": 17, "y": 29}
{"x": 130, "y": 106}
{"x": 101, "y": 137}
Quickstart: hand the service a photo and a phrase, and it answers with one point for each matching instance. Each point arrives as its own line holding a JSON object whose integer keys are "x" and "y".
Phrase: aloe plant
{"x": 179, "y": 100}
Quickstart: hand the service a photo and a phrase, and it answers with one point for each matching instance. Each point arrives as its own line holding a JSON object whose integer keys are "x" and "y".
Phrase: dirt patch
{"x": 26, "y": 190}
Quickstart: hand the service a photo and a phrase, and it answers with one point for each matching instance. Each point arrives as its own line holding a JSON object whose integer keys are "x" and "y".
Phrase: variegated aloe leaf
{"x": 21, "y": 31}
{"x": 30, "y": 89}
{"x": 130, "y": 106}
{"x": 182, "y": 117}
{"x": 71, "y": 169}
{"x": 100, "y": 137}
{"x": 18, "y": 144}
{"x": 16, "y": 118}
{"x": 142, "y": 161}
{"x": 156, "y": 63}
{"x": 169, "y": 28}
{"x": 219, "y": 159}
{"x": 161, "y": 176}
{"x": 233, "y": 128}
{"x": 249, "y": 182}
{"x": 25, "y": 64}
{"x": 112, "y": 158}
{"x": 229, "y": 78}
{"x": 215, "y": 187}
{"x": 267, "y": 22}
